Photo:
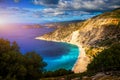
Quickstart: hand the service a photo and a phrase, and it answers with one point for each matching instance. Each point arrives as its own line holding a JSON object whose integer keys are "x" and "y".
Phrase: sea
{"x": 56, "y": 54}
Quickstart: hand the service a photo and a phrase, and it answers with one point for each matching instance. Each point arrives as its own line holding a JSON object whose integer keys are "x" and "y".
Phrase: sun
{"x": 2, "y": 21}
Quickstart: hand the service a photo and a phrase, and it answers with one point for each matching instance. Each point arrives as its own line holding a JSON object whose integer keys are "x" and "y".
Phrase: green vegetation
{"x": 15, "y": 66}
{"x": 107, "y": 60}
{"x": 59, "y": 72}
{"x": 30, "y": 66}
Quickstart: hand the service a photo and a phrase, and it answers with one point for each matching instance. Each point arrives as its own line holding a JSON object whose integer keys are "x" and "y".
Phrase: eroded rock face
{"x": 96, "y": 32}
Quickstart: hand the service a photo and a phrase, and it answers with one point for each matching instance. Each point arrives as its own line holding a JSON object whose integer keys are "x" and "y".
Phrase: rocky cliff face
{"x": 91, "y": 36}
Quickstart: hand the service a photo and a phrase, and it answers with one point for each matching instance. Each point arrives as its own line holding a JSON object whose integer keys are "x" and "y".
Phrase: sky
{"x": 43, "y": 11}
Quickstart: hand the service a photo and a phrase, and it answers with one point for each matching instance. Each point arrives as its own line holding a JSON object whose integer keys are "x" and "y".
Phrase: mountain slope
{"x": 91, "y": 36}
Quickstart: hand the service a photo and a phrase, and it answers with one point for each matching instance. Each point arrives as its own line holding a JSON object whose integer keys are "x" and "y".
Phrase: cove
{"x": 56, "y": 54}
{"x": 67, "y": 60}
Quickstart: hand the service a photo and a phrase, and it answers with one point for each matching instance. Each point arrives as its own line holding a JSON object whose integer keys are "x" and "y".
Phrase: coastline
{"x": 82, "y": 61}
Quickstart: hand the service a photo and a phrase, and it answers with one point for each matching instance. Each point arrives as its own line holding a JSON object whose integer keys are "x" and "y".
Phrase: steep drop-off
{"x": 91, "y": 36}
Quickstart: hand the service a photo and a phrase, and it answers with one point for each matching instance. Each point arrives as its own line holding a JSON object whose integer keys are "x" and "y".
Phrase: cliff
{"x": 91, "y": 36}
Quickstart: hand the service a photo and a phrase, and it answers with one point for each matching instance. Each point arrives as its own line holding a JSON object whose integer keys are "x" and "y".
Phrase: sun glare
{"x": 2, "y": 21}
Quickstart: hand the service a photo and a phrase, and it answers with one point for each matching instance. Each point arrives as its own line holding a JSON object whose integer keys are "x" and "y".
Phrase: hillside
{"x": 33, "y": 26}
{"x": 60, "y": 24}
{"x": 91, "y": 36}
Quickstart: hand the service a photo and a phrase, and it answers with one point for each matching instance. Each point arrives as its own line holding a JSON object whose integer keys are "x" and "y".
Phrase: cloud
{"x": 18, "y": 15}
{"x": 57, "y": 10}
{"x": 43, "y": 15}
{"x": 46, "y": 2}
{"x": 89, "y": 4}
{"x": 16, "y": 1}
{"x": 96, "y": 4}
{"x": 81, "y": 4}
{"x": 53, "y": 12}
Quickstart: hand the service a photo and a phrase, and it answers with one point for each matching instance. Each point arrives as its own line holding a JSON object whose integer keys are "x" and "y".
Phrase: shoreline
{"x": 82, "y": 60}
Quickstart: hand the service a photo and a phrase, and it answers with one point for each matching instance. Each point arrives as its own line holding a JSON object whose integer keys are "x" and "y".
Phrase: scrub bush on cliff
{"x": 107, "y": 60}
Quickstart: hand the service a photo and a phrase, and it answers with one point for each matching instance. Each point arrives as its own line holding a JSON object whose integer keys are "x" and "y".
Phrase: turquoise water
{"x": 67, "y": 60}
{"x": 57, "y": 55}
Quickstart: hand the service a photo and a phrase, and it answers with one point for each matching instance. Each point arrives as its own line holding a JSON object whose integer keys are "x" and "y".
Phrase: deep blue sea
{"x": 57, "y": 55}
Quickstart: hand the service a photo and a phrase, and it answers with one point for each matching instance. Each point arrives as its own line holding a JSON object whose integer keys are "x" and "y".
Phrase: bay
{"x": 57, "y": 55}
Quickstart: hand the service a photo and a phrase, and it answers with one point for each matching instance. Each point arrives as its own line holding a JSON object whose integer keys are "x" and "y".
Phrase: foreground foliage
{"x": 15, "y": 66}
{"x": 56, "y": 73}
{"x": 30, "y": 66}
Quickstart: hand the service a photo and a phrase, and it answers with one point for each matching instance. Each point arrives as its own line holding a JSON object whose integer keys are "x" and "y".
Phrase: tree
{"x": 107, "y": 60}
{"x": 4, "y": 46}
{"x": 16, "y": 66}
{"x": 34, "y": 65}
{"x": 15, "y": 46}
{"x": 56, "y": 73}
